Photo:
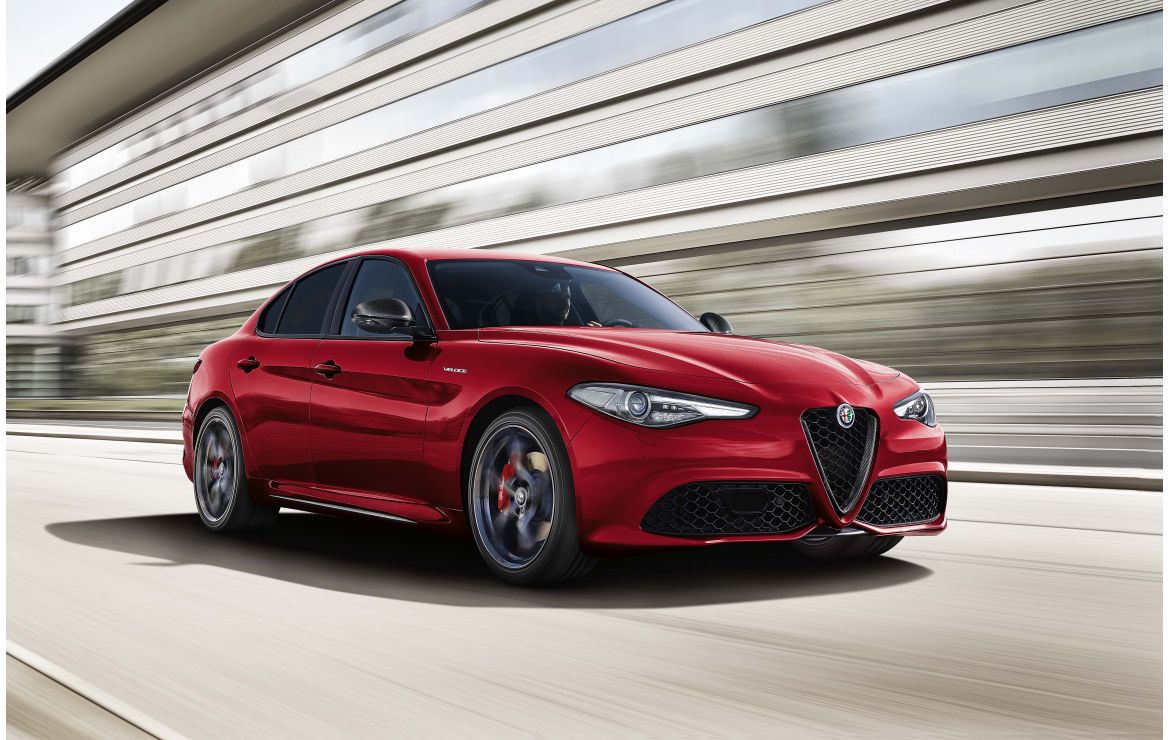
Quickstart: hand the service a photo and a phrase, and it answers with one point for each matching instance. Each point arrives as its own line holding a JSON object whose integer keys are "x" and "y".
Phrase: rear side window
{"x": 272, "y": 314}
{"x": 309, "y": 301}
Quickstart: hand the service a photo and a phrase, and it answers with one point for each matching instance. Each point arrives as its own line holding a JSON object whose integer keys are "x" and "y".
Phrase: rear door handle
{"x": 328, "y": 369}
{"x": 248, "y": 364}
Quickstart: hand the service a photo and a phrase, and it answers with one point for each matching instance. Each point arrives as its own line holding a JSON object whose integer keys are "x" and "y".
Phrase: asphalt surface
{"x": 1037, "y": 613}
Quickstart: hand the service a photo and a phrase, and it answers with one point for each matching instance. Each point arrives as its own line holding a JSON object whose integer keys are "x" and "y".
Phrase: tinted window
{"x": 310, "y": 300}
{"x": 272, "y": 314}
{"x": 381, "y": 279}
{"x": 477, "y": 293}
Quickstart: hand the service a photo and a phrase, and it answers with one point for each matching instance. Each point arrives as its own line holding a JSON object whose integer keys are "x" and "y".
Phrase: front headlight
{"x": 651, "y": 407}
{"x": 918, "y": 407}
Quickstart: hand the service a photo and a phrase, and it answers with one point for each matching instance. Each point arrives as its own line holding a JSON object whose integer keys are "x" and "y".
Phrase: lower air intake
{"x": 912, "y": 499}
{"x": 708, "y": 509}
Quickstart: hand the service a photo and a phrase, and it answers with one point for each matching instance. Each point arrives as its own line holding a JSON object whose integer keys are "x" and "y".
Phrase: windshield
{"x": 479, "y": 293}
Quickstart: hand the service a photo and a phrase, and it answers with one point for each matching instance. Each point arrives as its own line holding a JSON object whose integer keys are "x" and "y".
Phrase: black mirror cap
{"x": 389, "y": 316}
{"x": 382, "y": 315}
{"x": 715, "y": 323}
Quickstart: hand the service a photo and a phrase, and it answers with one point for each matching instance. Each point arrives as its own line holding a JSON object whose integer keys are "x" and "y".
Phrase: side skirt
{"x": 311, "y": 505}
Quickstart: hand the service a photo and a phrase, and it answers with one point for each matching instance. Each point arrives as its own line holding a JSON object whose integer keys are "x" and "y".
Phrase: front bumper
{"x": 621, "y": 470}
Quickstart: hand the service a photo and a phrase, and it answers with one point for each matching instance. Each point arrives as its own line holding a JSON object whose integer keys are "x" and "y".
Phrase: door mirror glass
{"x": 382, "y": 316}
{"x": 715, "y": 323}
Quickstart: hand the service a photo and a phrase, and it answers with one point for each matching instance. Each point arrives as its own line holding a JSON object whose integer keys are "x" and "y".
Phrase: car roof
{"x": 435, "y": 255}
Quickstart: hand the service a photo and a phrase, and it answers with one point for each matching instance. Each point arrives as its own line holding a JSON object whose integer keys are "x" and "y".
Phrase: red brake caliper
{"x": 508, "y": 473}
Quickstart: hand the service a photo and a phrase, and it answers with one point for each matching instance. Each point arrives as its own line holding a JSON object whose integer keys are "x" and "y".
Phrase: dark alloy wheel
{"x": 520, "y": 501}
{"x": 840, "y": 548}
{"x": 221, "y": 485}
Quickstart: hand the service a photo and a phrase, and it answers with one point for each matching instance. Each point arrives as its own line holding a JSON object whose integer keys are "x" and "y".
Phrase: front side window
{"x": 480, "y": 293}
{"x": 309, "y": 301}
{"x": 377, "y": 279}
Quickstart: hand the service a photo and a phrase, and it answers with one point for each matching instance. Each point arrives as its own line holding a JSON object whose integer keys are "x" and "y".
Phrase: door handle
{"x": 248, "y": 364}
{"x": 328, "y": 369}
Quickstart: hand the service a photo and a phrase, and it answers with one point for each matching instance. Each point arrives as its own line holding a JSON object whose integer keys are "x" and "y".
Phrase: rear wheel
{"x": 221, "y": 485}
{"x": 520, "y": 501}
{"x": 843, "y": 547}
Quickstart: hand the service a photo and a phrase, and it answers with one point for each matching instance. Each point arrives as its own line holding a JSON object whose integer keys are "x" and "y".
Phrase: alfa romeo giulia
{"x": 556, "y": 411}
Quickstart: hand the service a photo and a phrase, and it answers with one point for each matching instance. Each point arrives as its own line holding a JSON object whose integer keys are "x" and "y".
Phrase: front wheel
{"x": 520, "y": 500}
{"x": 221, "y": 485}
{"x": 843, "y": 547}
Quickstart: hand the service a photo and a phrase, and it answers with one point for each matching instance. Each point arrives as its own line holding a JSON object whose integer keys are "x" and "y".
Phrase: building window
{"x": 22, "y": 314}
{"x": 20, "y": 265}
{"x": 26, "y": 216}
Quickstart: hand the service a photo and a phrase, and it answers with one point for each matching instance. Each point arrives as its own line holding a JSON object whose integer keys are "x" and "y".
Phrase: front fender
{"x": 469, "y": 376}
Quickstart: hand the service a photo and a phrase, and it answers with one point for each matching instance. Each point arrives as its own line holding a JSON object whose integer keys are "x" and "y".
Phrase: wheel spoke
{"x": 513, "y": 529}
{"x": 215, "y": 483}
{"x": 527, "y": 539}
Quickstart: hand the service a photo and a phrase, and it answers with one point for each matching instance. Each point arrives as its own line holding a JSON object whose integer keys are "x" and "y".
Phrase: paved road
{"x": 1038, "y": 613}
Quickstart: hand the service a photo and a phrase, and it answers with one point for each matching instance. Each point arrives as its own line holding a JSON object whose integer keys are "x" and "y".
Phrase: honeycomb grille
{"x": 911, "y": 499}
{"x": 843, "y": 456}
{"x": 730, "y": 508}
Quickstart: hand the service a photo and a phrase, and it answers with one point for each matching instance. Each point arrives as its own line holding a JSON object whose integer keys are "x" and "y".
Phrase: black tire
{"x": 544, "y": 547}
{"x": 845, "y": 547}
{"x": 221, "y": 483}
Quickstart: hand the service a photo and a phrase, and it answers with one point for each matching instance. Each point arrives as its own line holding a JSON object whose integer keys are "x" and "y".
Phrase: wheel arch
{"x": 480, "y": 420}
{"x": 206, "y": 405}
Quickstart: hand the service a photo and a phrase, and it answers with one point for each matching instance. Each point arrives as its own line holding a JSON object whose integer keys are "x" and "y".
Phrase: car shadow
{"x": 396, "y": 562}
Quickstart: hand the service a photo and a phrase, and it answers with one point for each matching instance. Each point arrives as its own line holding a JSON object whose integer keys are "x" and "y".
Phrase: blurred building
{"x": 34, "y": 354}
{"x": 966, "y": 190}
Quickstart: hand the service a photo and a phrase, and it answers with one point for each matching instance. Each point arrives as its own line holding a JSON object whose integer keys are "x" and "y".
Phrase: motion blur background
{"x": 967, "y": 191}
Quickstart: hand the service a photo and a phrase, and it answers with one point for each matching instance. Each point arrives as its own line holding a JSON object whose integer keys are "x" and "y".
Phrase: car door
{"x": 272, "y": 377}
{"x": 369, "y": 399}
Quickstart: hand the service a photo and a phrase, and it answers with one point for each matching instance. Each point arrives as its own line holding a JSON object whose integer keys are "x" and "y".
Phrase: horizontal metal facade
{"x": 1051, "y": 152}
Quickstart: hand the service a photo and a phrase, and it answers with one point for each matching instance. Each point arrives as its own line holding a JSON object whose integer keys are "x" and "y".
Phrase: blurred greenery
{"x": 1068, "y": 308}
{"x": 174, "y": 405}
{"x": 153, "y": 361}
{"x": 268, "y": 249}
{"x": 1070, "y": 318}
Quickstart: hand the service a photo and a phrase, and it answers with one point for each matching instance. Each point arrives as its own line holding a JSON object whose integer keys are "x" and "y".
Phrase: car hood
{"x": 703, "y": 354}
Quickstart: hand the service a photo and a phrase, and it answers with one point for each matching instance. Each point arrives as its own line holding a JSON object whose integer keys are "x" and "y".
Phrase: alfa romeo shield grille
{"x": 843, "y": 455}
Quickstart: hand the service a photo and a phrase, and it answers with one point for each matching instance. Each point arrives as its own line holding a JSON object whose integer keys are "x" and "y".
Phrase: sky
{"x": 39, "y": 31}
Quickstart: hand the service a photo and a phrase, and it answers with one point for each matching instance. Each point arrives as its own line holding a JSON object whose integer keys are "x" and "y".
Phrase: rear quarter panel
{"x": 210, "y": 384}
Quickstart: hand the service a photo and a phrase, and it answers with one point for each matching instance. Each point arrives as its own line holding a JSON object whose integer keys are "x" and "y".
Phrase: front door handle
{"x": 248, "y": 364}
{"x": 328, "y": 369}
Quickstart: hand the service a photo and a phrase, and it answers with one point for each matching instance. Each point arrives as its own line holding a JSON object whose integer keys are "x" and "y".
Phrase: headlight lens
{"x": 651, "y": 407}
{"x": 918, "y": 407}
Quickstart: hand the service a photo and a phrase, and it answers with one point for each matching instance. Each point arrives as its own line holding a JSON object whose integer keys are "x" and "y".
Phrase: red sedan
{"x": 555, "y": 409}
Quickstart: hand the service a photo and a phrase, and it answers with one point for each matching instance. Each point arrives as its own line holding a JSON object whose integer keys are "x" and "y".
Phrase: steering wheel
{"x": 490, "y": 305}
{"x": 619, "y": 322}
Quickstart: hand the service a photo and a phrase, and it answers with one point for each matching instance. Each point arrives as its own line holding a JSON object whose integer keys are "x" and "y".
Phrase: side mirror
{"x": 387, "y": 316}
{"x": 715, "y": 323}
